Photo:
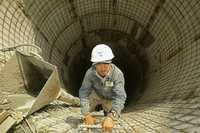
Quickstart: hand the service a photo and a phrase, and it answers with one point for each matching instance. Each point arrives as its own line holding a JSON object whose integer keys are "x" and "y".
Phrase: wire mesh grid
{"x": 172, "y": 103}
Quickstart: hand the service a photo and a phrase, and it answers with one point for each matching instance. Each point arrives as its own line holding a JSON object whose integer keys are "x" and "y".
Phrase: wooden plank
{"x": 3, "y": 116}
{"x": 7, "y": 124}
{"x": 27, "y": 127}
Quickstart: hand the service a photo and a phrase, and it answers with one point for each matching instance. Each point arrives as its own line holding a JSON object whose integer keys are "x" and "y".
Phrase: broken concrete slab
{"x": 49, "y": 93}
{"x": 68, "y": 98}
{"x": 40, "y": 81}
{"x": 21, "y": 102}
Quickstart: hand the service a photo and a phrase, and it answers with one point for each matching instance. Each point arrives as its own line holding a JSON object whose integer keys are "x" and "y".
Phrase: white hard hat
{"x": 101, "y": 53}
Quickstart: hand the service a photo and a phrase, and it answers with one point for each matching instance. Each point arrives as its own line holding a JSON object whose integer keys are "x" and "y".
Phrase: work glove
{"x": 89, "y": 120}
{"x": 107, "y": 124}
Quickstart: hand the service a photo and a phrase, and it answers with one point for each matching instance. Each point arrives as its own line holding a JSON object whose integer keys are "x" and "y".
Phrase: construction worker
{"x": 103, "y": 85}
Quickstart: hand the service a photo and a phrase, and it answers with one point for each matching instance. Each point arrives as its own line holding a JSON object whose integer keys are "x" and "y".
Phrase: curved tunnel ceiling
{"x": 156, "y": 44}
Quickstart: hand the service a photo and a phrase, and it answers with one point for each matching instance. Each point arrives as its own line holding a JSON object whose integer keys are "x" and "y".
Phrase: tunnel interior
{"x": 133, "y": 62}
{"x": 155, "y": 42}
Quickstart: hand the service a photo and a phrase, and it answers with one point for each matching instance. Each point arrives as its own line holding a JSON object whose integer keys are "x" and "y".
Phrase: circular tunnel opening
{"x": 129, "y": 57}
{"x": 171, "y": 99}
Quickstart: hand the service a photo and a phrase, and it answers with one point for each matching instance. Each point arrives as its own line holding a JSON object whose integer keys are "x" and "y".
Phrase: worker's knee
{"x": 95, "y": 101}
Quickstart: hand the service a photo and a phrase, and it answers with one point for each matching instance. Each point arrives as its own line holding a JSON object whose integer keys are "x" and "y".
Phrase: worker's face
{"x": 103, "y": 69}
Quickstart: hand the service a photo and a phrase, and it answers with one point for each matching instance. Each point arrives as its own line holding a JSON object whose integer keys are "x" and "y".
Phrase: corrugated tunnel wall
{"x": 156, "y": 44}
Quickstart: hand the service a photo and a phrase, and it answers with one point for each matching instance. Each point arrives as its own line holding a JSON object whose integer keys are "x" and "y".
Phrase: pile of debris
{"x": 28, "y": 84}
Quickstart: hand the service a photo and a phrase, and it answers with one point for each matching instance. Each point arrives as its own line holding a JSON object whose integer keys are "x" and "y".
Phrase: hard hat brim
{"x": 103, "y": 62}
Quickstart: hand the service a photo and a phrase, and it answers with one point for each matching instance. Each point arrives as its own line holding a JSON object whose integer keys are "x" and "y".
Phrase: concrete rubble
{"x": 17, "y": 101}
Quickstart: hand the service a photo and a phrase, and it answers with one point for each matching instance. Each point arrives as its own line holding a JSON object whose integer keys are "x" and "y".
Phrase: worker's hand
{"x": 108, "y": 124}
{"x": 89, "y": 120}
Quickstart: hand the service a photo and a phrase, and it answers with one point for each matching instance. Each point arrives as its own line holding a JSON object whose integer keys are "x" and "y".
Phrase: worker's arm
{"x": 84, "y": 93}
{"x": 119, "y": 94}
{"x": 118, "y": 101}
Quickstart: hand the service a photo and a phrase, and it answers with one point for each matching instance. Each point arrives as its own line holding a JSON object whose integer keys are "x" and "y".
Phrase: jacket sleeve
{"x": 119, "y": 94}
{"x": 84, "y": 93}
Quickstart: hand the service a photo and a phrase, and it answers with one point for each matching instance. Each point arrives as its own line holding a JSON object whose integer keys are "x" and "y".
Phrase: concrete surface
{"x": 156, "y": 44}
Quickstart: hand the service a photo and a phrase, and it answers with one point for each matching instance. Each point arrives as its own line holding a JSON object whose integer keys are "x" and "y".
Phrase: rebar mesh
{"x": 170, "y": 102}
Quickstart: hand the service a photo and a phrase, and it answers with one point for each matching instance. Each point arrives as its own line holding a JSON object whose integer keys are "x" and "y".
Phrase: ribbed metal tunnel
{"x": 156, "y": 44}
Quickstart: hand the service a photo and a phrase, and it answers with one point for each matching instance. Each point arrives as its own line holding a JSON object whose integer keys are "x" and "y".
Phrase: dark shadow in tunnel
{"x": 133, "y": 71}
{"x": 128, "y": 57}
{"x": 133, "y": 64}
{"x": 77, "y": 69}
